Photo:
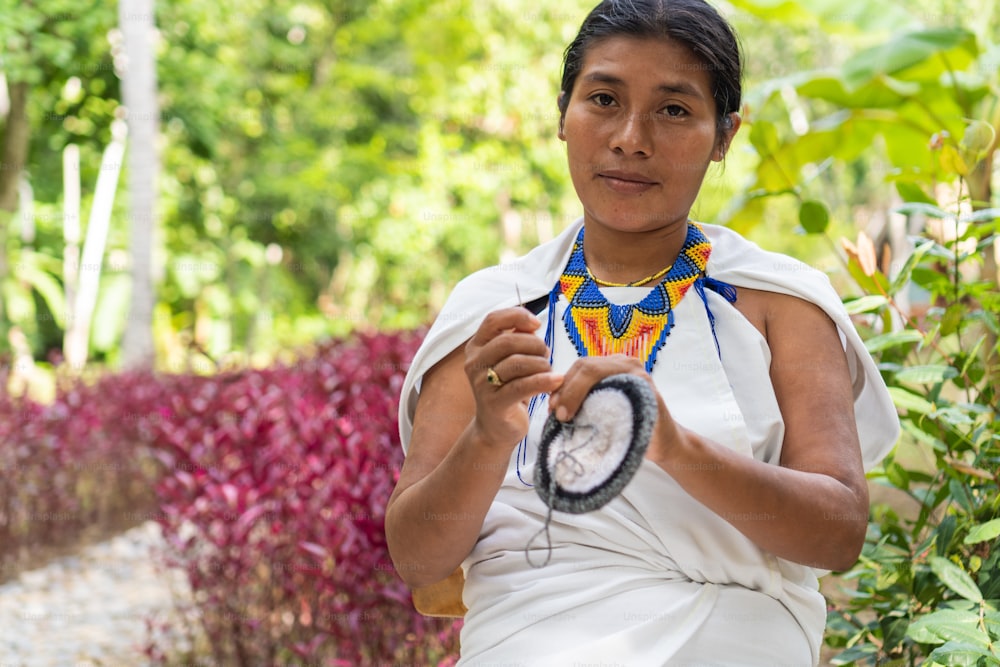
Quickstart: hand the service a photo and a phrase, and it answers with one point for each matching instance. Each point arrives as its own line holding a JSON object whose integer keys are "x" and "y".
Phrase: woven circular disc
{"x": 584, "y": 463}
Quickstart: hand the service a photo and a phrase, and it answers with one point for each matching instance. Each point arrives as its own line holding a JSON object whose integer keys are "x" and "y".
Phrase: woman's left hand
{"x": 588, "y": 371}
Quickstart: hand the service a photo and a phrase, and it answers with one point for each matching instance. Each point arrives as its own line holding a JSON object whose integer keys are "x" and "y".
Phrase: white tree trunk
{"x": 71, "y": 234}
{"x": 77, "y": 340}
{"x": 135, "y": 19}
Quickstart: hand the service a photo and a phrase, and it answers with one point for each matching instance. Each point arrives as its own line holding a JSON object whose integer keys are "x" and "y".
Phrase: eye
{"x": 674, "y": 110}
{"x": 602, "y": 99}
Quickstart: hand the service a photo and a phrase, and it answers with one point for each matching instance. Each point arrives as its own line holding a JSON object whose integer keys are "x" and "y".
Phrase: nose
{"x": 633, "y": 135}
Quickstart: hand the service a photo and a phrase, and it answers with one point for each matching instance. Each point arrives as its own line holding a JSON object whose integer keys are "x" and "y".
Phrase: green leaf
{"x": 903, "y": 277}
{"x": 814, "y": 216}
{"x": 929, "y": 374}
{"x": 894, "y": 339}
{"x": 944, "y": 534}
{"x": 865, "y": 304}
{"x": 946, "y": 625}
{"x": 983, "y": 532}
{"x": 943, "y": 46}
{"x": 952, "y": 318}
{"x": 897, "y": 476}
{"x": 929, "y": 209}
{"x": 955, "y": 578}
{"x": 910, "y": 402}
{"x": 978, "y": 138}
{"x": 855, "y": 653}
{"x": 913, "y": 193}
{"x": 764, "y": 137}
{"x": 982, "y": 215}
{"x": 50, "y": 289}
{"x": 959, "y": 654}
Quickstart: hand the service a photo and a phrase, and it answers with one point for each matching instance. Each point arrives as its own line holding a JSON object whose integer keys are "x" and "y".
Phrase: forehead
{"x": 647, "y": 62}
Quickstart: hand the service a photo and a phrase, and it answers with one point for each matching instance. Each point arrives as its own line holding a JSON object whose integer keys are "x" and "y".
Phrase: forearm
{"x": 804, "y": 517}
{"x": 433, "y": 525}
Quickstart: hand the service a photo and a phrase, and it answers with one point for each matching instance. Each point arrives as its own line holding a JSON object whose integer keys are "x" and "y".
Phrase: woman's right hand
{"x": 506, "y": 343}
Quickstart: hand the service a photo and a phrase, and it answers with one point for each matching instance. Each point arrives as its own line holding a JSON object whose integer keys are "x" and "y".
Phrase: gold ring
{"x": 493, "y": 378}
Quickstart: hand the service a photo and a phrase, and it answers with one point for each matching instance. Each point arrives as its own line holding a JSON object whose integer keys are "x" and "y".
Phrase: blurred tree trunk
{"x": 135, "y": 19}
{"x": 13, "y": 155}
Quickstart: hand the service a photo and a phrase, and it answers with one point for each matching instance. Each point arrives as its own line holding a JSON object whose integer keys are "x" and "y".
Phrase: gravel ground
{"x": 89, "y": 609}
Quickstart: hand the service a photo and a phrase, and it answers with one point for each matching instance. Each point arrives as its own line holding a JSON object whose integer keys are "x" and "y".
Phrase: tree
{"x": 135, "y": 19}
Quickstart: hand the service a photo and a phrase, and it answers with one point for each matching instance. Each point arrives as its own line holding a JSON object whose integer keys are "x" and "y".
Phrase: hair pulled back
{"x": 694, "y": 23}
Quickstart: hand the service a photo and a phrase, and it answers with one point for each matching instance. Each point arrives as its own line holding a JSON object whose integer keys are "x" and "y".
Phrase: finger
{"x": 520, "y": 365}
{"x": 501, "y": 321}
{"x": 508, "y": 344}
{"x": 582, "y": 377}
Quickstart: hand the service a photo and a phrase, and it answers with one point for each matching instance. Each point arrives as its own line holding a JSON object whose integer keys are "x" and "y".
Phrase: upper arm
{"x": 812, "y": 383}
{"x": 445, "y": 407}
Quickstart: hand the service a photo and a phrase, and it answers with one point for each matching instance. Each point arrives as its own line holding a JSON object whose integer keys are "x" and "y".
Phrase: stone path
{"x": 90, "y": 609}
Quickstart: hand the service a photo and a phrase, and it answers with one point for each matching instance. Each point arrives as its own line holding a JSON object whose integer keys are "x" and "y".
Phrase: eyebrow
{"x": 680, "y": 87}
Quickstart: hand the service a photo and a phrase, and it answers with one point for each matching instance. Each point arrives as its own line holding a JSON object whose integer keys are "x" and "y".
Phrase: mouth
{"x": 626, "y": 181}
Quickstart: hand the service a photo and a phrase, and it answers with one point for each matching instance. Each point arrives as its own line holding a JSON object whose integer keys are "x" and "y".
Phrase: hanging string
{"x": 576, "y": 469}
{"x": 725, "y": 290}
{"x": 522, "y": 447}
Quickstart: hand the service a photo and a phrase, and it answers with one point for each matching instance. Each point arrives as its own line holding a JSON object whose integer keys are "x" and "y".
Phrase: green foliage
{"x": 928, "y": 581}
{"x": 910, "y": 116}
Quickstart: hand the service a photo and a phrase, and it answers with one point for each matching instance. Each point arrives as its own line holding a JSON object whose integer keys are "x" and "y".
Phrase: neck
{"x": 628, "y": 256}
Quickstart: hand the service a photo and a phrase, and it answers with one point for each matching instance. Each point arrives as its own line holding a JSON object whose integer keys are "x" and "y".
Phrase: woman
{"x": 769, "y": 409}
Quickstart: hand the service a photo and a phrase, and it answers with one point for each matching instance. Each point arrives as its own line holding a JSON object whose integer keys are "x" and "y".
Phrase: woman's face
{"x": 640, "y": 130}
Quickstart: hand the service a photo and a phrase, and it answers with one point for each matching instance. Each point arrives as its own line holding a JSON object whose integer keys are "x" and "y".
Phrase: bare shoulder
{"x": 781, "y": 318}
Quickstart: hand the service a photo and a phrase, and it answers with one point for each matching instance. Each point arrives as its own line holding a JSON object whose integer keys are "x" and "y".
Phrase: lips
{"x": 627, "y": 182}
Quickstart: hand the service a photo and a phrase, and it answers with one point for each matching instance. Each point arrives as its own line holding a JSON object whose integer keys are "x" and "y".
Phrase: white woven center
{"x": 590, "y": 449}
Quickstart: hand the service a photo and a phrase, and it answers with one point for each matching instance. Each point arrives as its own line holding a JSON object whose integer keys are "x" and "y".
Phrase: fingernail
{"x": 562, "y": 413}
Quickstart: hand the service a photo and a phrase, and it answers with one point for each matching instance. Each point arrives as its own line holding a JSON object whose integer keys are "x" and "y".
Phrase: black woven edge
{"x": 644, "y": 413}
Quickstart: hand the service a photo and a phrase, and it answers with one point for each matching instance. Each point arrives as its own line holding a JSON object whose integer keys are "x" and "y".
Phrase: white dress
{"x": 652, "y": 578}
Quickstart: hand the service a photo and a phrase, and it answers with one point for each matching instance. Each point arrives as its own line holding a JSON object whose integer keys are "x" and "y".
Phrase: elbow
{"x": 846, "y": 538}
{"x": 415, "y": 571}
{"x": 415, "y": 574}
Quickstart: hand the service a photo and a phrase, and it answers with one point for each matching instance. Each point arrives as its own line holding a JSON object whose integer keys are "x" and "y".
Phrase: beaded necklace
{"x": 598, "y": 327}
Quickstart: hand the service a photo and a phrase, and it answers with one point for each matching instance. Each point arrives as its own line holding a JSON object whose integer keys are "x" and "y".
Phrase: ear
{"x": 730, "y": 125}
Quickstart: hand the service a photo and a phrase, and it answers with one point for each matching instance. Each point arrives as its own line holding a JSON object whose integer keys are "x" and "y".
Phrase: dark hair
{"x": 695, "y": 23}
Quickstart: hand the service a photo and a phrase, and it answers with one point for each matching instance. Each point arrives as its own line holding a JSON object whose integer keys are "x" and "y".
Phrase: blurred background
{"x": 319, "y": 167}
{"x": 203, "y": 201}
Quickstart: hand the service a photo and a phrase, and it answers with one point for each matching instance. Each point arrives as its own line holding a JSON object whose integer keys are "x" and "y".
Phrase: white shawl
{"x": 654, "y": 577}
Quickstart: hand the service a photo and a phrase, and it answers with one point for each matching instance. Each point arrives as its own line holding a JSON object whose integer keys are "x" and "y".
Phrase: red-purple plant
{"x": 274, "y": 503}
{"x": 74, "y": 468}
{"x": 270, "y": 486}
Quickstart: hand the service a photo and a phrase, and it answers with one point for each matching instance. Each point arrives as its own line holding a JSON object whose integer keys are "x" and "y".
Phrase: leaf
{"x": 855, "y": 653}
{"x": 314, "y": 549}
{"x": 863, "y": 253}
{"x": 982, "y": 215}
{"x": 955, "y": 578}
{"x": 929, "y": 209}
{"x": 814, "y": 216}
{"x": 959, "y": 654}
{"x": 976, "y": 140}
{"x": 903, "y": 277}
{"x": 897, "y": 476}
{"x": 952, "y": 319}
{"x": 983, "y": 532}
{"x": 910, "y": 402}
{"x": 914, "y": 194}
{"x": 929, "y": 374}
{"x": 894, "y": 339}
{"x": 946, "y": 625}
{"x": 764, "y": 137}
{"x": 865, "y": 304}
{"x": 922, "y": 55}
{"x": 952, "y": 161}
